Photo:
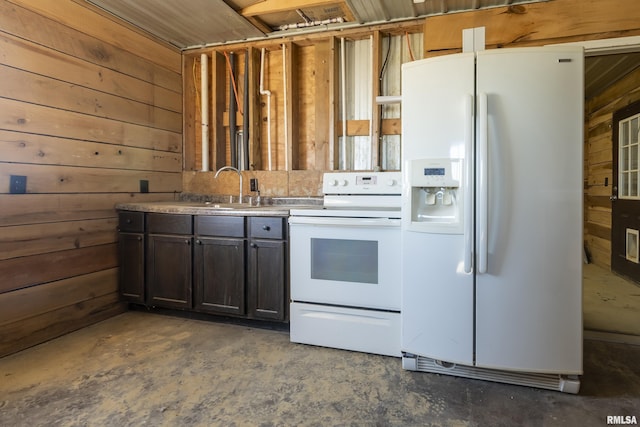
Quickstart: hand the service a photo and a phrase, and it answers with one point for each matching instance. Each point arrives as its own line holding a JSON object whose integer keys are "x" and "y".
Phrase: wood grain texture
{"x": 35, "y": 58}
{"x": 89, "y": 107}
{"x": 25, "y": 240}
{"x": 42, "y": 327}
{"x": 23, "y": 23}
{"x": 534, "y": 24}
{"x": 38, "y": 269}
{"x": 19, "y": 147}
{"x": 21, "y": 304}
{"x": 30, "y": 118}
{"x": 103, "y": 27}
{"x": 68, "y": 96}
{"x": 323, "y": 108}
{"x": 66, "y": 179}
{"x": 21, "y": 209}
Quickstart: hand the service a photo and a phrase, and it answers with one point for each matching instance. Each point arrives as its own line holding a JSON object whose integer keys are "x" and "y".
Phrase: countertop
{"x": 267, "y": 208}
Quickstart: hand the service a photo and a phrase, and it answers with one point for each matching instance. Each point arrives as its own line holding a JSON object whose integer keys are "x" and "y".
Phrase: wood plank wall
{"x": 599, "y": 164}
{"x": 535, "y": 24}
{"x": 88, "y": 108}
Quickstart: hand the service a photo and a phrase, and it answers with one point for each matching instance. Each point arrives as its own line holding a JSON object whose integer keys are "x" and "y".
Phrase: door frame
{"x": 608, "y": 47}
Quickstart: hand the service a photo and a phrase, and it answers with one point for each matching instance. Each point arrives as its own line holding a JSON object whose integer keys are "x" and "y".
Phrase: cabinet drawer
{"x": 267, "y": 227}
{"x": 168, "y": 223}
{"x": 221, "y": 226}
{"x": 131, "y": 221}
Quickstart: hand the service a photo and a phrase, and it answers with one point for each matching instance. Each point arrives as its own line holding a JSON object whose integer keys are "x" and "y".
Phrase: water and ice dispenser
{"x": 435, "y": 199}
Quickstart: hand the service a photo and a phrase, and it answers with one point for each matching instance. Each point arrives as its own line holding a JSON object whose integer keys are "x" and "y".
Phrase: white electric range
{"x": 345, "y": 265}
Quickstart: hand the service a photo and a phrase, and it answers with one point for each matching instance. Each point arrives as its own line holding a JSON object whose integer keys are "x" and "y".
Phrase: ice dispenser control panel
{"x": 435, "y": 195}
{"x": 435, "y": 173}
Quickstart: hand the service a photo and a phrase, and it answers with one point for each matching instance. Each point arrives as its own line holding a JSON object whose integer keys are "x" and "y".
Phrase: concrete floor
{"x": 610, "y": 303}
{"x": 147, "y": 369}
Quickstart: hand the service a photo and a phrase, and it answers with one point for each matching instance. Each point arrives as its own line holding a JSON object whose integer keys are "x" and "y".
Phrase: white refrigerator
{"x": 492, "y": 155}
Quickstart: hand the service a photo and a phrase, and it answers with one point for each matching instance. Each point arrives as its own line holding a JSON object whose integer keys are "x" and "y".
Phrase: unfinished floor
{"x": 610, "y": 302}
{"x": 148, "y": 369}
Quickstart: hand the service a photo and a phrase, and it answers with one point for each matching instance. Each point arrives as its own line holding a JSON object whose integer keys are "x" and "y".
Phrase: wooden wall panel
{"x": 33, "y": 239}
{"x": 31, "y": 57}
{"x": 31, "y": 118}
{"x": 21, "y": 304}
{"x": 35, "y": 270}
{"x": 553, "y": 21}
{"x": 24, "y": 209}
{"x": 42, "y": 327}
{"x": 39, "y": 29}
{"x": 68, "y": 96}
{"x": 18, "y": 147}
{"x": 88, "y": 109}
{"x": 107, "y": 30}
{"x": 65, "y": 179}
{"x": 306, "y": 98}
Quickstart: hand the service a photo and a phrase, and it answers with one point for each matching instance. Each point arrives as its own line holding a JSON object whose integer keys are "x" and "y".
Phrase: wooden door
{"x": 625, "y": 197}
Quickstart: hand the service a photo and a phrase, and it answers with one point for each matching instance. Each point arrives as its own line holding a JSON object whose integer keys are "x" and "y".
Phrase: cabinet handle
{"x": 188, "y": 242}
{"x": 199, "y": 242}
{"x": 128, "y": 221}
{"x": 266, "y": 228}
{"x": 139, "y": 238}
{"x": 253, "y": 245}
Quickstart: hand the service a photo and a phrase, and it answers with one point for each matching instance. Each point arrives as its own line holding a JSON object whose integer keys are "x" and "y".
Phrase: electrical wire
{"x": 195, "y": 84}
{"x": 233, "y": 82}
{"x": 383, "y": 71}
{"x": 406, "y": 33}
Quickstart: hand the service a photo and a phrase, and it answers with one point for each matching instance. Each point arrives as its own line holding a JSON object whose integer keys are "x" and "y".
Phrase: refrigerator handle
{"x": 467, "y": 184}
{"x": 483, "y": 191}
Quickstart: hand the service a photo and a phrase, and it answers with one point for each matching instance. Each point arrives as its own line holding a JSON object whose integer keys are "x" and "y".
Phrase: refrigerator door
{"x": 529, "y": 282}
{"x": 437, "y": 295}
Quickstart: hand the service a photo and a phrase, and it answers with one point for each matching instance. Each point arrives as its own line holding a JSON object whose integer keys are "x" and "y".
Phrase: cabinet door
{"x": 267, "y": 279}
{"x": 131, "y": 257}
{"x": 169, "y": 271}
{"x": 219, "y": 275}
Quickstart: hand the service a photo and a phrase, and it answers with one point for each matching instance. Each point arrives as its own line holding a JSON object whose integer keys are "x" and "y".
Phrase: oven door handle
{"x": 345, "y": 222}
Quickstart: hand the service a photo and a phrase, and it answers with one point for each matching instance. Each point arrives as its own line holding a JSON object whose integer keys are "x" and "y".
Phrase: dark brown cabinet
{"x": 168, "y": 260}
{"x": 131, "y": 256}
{"x": 219, "y": 264}
{"x": 267, "y": 282}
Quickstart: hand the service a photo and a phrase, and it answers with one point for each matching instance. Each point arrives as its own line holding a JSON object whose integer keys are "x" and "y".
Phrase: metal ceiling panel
{"x": 183, "y": 23}
{"x": 386, "y": 10}
{"x": 368, "y": 10}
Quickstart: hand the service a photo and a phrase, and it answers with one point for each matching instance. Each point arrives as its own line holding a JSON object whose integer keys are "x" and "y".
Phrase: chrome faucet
{"x": 231, "y": 168}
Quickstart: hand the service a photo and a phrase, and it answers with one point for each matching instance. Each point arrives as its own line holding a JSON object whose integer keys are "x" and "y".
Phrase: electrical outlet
{"x": 253, "y": 184}
{"x": 144, "y": 186}
{"x": 18, "y": 184}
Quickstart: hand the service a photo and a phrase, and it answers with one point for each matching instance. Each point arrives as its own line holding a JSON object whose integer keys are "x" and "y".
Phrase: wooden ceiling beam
{"x": 259, "y": 24}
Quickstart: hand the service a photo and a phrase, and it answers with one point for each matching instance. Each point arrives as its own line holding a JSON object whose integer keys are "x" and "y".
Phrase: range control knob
{"x": 392, "y": 182}
{"x": 343, "y": 182}
{"x": 333, "y": 183}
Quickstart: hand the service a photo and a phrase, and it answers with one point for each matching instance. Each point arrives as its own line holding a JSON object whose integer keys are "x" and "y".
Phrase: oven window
{"x": 344, "y": 260}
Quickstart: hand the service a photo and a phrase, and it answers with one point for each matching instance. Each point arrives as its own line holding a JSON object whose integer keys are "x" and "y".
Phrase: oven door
{"x": 351, "y": 262}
